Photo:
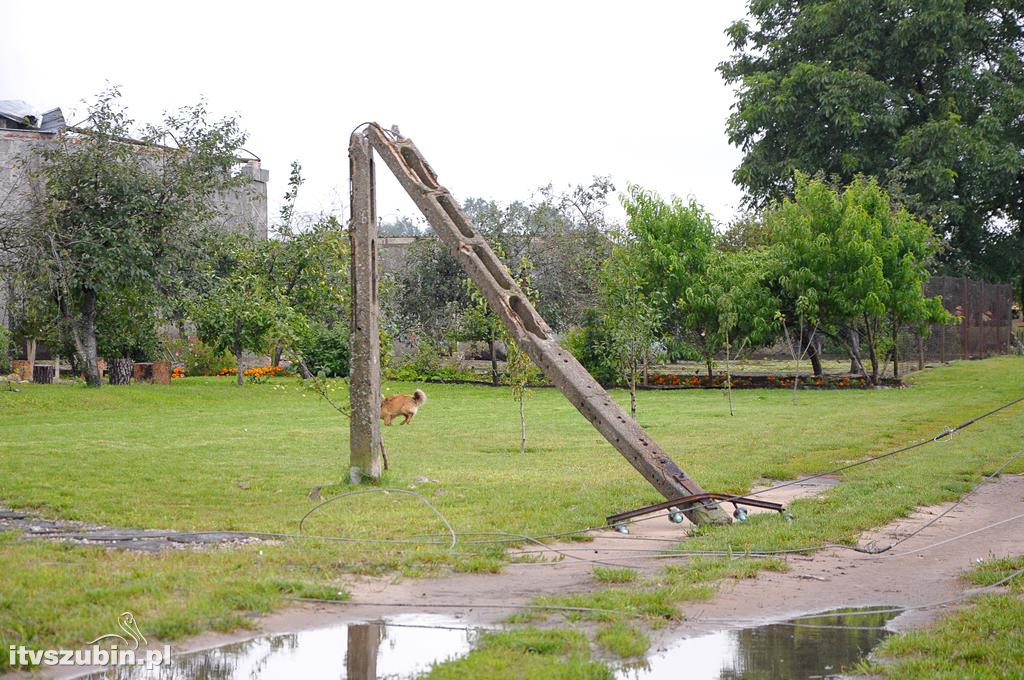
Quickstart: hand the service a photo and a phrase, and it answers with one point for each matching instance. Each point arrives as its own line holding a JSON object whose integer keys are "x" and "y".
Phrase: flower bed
{"x": 677, "y": 381}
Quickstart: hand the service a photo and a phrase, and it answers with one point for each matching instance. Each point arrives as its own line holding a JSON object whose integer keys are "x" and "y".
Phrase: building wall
{"x": 245, "y": 210}
{"x": 392, "y": 251}
{"x": 14, "y": 145}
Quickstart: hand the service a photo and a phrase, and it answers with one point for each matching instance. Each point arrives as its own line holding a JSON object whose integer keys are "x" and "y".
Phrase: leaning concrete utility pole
{"x": 364, "y": 342}
{"x": 513, "y": 307}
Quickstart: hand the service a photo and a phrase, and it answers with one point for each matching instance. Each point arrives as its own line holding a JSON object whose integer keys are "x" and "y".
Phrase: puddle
{"x": 821, "y": 647}
{"x": 400, "y": 647}
{"x": 406, "y": 646}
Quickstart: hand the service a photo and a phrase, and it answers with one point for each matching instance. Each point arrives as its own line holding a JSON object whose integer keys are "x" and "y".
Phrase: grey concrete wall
{"x": 392, "y": 251}
{"x": 245, "y": 210}
{"x": 15, "y": 148}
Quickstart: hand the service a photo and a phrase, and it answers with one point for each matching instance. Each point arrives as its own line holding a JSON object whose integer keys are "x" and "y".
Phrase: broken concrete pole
{"x": 526, "y": 327}
{"x": 364, "y": 342}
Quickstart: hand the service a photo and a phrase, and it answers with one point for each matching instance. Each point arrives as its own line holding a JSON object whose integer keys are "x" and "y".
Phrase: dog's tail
{"x": 420, "y": 397}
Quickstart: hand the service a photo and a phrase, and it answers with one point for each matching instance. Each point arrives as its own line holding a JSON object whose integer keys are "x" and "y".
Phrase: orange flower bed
{"x": 178, "y": 372}
{"x": 264, "y": 371}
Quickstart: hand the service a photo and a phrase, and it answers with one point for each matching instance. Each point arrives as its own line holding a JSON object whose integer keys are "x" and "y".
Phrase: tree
{"x": 400, "y": 226}
{"x": 852, "y": 264}
{"x": 924, "y": 96}
{"x": 243, "y": 311}
{"x": 562, "y": 234}
{"x": 126, "y": 331}
{"x": 109, "y": 214}
{"x": 479, "y": 323}
{"x": 519, "y": 366}
{"x": 428, "y": 295}
{"x": 631, "y": 317}
{"x": 673, "y": 248}
{"x": 747, "y": 307}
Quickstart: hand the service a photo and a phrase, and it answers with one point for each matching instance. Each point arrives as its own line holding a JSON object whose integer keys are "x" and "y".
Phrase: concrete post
{"x": 364, "y": 342}
{"x": 526, "y": 326}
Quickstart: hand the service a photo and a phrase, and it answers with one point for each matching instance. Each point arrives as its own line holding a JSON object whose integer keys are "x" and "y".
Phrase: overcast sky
{"x": 500, "y": 99}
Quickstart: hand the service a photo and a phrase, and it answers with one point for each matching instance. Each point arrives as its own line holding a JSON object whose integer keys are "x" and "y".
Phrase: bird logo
{"x": 126, "y": 621}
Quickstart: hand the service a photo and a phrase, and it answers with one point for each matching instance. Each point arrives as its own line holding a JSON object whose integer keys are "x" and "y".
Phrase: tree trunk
{"x": 728, "y": 373}
{"x": 632, "y": 396}
{"x": 853, "y": 349}
{"x": 494, "y": 363}
{"x": 30, "y": 353}
{"x": 895, "y": 362}
{"x": 120, "y": 370}
{"x": 522, "y": 425}
{"x": 711, "y": 373}
{"x": 814, "y": 354}
{"x": 83, "y": 332}
{"x": 855, "y": 363}
{"x": 238, "y": 352}
{"x": 873, "y": 357}
{"x": 276, "y": 359}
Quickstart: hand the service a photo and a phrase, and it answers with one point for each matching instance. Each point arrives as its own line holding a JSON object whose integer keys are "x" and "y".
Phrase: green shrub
{"x": 677, "y": 350}
{"x": 427, "y": 363}
{"x": 588, "y": 342}
{"x": 325, "y": 348}
{"x": 5, "y": 351}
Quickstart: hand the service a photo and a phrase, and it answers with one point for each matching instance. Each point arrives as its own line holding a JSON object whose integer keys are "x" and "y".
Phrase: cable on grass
{"x": 357, "y": 492}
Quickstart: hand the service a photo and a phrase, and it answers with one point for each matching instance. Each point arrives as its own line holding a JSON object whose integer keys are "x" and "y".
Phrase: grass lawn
{"x": 985, "y": 640}
{"x": 203, "y": 454}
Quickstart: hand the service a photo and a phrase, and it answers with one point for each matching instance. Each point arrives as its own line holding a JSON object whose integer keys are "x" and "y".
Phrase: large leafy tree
{"x": 711, "y": 298}
{"x": 926, "y": 96}
{"x": 852, "y": 265}
{"x": 109, "y": 216}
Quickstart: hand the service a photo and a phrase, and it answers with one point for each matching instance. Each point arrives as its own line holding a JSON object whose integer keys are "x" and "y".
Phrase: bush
{"x": 198, "y": 358}
{"x": 5, "y": 351}
{"x": 325, "y": 348}
{"x": 588, "y": 342}
{"x": 427, "y": 363}
{"x": 677, "y": 350}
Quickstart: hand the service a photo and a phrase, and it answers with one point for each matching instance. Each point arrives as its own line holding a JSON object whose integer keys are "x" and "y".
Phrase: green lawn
{"x": 203, "y": 454}
{"x": 984, "y": 641}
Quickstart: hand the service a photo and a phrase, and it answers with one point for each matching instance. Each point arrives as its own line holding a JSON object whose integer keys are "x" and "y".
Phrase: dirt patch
{"x": 906, "y": 577}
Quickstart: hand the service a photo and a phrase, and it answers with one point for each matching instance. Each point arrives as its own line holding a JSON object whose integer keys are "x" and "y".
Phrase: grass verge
{"x": 984, "y": 640}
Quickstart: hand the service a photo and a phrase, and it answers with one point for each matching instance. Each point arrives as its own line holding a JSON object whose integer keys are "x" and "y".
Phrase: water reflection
{"x": 401, "y": 647}
{"x": 819, "y": 647}
{"x": 406, "y": 646}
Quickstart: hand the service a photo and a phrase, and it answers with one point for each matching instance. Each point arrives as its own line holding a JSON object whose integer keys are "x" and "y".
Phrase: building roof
{"x": 25, "y": 116}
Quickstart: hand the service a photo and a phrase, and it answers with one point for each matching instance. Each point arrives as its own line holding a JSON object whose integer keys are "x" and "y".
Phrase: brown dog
{"x": 402, "y": 405}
